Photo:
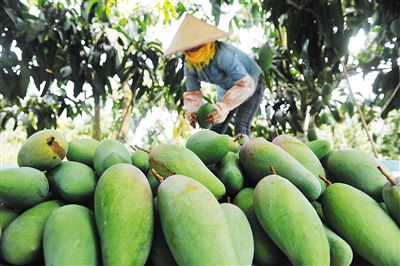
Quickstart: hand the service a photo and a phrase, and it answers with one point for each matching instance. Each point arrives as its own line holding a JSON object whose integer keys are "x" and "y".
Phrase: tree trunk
{"x": 96, "y": 131}
{"x": 126, "y": 113}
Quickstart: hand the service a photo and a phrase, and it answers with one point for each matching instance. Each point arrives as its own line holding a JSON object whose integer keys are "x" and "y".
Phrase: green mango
{"x": 22, "y": 187}
{"x": 291, "y": 221}
{"x": 358, "y": 169}
{"x": 154, "y": 183}
{"x": 209, "y": 146}
{"x": 73, "y": 181}
{"x": 235, "y": 146}
{"x": 324, "y": 160}
{"x": 194, "y": 224}
{"x": 21, "y": 242}
{"x": 361, "y": 221}
{"x": 265, "y": 251}
{"x": 303, "y": 154}
{"x": 140, "y": 159}
{"x": 108, "y": 153}
{"x": 318, "y": 208}
{"x": 170, "y": 159}
{"x": 320, "y": 147}
{"x": 82, "y": 151}
{"x": 202, "y": 114}
{"x": 43, "y": 150}
{"x": 6, "y": 217}
{"x": 340, "y": 252}
{"x": 311, "y": 134}
{"x": 70, "y": 237}
{"x": 265, "y": 56}
{"x": 123, "y": 205}
{"x": 242, "y": 139}
{"x": 242, "y": 236}
{"x": 391, "y": 197}
{"x": 383, "y": 205}
{"x": 230, "y": 174}
{"x": 257, "y": 155}
{"x": 244, "y": 199}
{"x": 160, "y": 255}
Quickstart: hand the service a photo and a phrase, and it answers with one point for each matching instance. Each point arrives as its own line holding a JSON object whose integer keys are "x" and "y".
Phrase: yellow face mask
{"x": 201, "y": 57}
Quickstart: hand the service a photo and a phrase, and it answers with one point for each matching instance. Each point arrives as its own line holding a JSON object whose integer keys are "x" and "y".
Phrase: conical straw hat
{"x": 193, "y": 32}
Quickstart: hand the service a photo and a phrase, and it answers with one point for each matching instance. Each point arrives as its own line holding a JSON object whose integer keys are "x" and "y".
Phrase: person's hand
{"x": 192, "y": 101}
{"x": 192, "y": 118}
{"x": 219, "y": 114}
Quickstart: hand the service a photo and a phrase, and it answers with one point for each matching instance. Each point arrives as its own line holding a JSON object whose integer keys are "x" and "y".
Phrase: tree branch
{"x": 388, "y": 176}
{"x": 362, "y": 118}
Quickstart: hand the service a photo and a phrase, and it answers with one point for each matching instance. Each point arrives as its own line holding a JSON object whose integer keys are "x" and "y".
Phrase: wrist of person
{"x": 221, "y": 111}
{"x": 223, "y": 107}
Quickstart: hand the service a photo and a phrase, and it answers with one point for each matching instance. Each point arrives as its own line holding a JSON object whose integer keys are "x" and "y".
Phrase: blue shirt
{"x": 228, "y": 65}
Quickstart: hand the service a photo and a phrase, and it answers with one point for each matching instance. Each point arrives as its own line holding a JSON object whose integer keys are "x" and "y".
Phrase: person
{"x": 237, "y": 76}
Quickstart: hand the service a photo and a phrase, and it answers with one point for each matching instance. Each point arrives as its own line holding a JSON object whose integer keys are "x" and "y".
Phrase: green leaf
{"x": 23, "y": 81}
{"x": 91, "y": 4}
{"x": 153, "y": 57}
{"x": 265, "y": 55}
{"x": 255, "y": 13}
{"x": 216, "y": 12}
{"x": 11, "y": 14}
{"x": 4, "y": 120}
{"x": 349, "y": 107}
{"x": 335, "y": 114}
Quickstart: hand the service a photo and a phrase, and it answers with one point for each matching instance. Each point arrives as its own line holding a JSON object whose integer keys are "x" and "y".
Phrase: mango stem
{"x": 228, "y": 199}
{"x": 142, "y": 149}
{"x": 388, "y": 176}
{"x": 325, "y": 180}
{"x": 237, "y": 137}
{"x": 272, "y": 169}
{"x": 132, "y": 147}
{"x": 50, "y": 140}
{"x": 159, "y": 177}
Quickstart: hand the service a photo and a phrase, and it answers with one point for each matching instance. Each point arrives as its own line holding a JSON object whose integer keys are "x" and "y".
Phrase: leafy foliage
{"x": 84, "y": 46}
{"x": 310, "y": 40}
{"x": 102, "y": 51}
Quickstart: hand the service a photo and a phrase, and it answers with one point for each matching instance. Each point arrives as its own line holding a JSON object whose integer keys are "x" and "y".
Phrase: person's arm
{"x": 192, "y": 98}
{"x": 242, "y": 89}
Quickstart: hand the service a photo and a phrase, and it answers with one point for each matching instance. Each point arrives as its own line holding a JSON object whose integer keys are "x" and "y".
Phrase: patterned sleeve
{"x": 191, "y": 80}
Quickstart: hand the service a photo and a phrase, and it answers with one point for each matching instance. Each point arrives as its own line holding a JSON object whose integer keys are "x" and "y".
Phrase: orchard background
{"x": 97, "y": 68}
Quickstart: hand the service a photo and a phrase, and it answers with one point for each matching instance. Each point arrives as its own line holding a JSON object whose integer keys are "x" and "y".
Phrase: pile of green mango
{"x": 217, "y": 200}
